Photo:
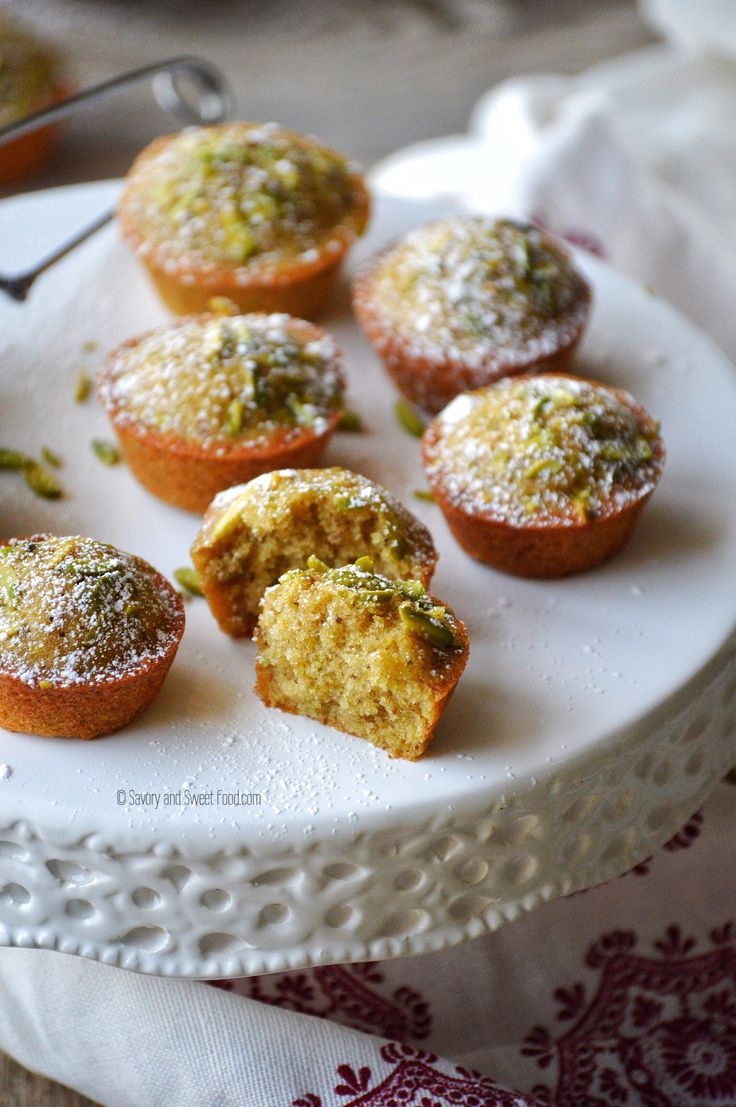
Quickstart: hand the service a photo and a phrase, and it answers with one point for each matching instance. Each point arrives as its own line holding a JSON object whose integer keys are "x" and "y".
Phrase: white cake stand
{"x": 594, "y": 717}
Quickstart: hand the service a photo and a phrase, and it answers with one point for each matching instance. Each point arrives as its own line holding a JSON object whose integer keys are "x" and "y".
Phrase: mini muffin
{"x": 87, "y": 635}
{"x": 373, "y": 657}
{"x": 543, "y": 476}
{"x": 249, "y": 211}
{"x": 29, "y": 81}
{"x": 254, "y": 532}
{"x": 210, "y": 401}
{"x": 463, "y": 301}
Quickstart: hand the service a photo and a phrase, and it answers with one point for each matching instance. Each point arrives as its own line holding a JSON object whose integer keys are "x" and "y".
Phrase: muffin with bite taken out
{"x": 253, "y": 533}
{"x": 373, "y": 657}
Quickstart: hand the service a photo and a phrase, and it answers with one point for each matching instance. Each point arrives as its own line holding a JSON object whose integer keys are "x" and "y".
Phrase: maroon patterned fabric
{"x": 634, "y": 1008}
{"x": 657, "y": 1031}
{"x": 416, "y": 1081}
{"x": 349, "y": 994}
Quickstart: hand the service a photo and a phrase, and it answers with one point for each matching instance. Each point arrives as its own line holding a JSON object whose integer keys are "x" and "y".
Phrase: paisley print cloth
{"x": 624, "y": 996}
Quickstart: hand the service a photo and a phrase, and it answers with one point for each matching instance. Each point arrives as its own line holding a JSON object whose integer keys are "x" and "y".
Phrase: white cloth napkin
{"x": 622, "y": 996}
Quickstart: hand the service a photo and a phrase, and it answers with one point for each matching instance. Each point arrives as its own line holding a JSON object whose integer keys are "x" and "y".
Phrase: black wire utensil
{"x": 190, "y": 89}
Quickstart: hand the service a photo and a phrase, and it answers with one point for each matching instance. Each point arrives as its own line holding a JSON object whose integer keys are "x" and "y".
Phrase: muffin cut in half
{"x": 543, "y": 476}
{"x": 29, "y": 81}
{"x": 250, "y": 211}
{"x": 463, "y": 301}
{"x": 253, "y": 533}
{"x": 373, "y": 657}
{"x": 87, "y": 635}
{"x": 203, "y": 403}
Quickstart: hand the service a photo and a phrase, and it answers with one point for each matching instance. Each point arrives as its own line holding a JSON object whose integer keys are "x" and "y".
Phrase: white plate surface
{"x": 558, "y": 671}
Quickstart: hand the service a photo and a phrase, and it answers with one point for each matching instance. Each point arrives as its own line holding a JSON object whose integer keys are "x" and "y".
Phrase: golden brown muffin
{"x": 206, "y": 402}
{"x": 373, "y": 657}
{"x": 87, "y": 635}
{"x": 543, "y": 476}
{"x": 463, "y": 301}
{"x": 250, "y": 211}
{"x": 29, "y": 81}
{"x": 253, "y": 533}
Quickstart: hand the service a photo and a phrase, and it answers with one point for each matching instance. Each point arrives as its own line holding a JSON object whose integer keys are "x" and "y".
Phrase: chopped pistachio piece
{"x": 13, "y": 459}
{"x": 9, "y": 582}
{"x": 643, "y": 449}
{"x": 82, "y": 386}
{"x": 351, "y": 422}
{"x": 51, "y": 458}
{"x": 304, "y": 414}
{"x": 550, "y": 464}
{"x": 408, "y": 419}
{"x": 376, "y": 595}
{"x": 474, "y": 325}
{"x": 414, "y": 589}
{"x": 188, "y": 578}
{"x": 227, "y": 521}
{"x": 107, "y": 452}
{"x": 41, "y": 481}
{"x": 424, "y": 494}
{"x": 235, "y": 415}
{"x": 222, "y": 305}
{"x": 397, "y": 545}
{"x": 427, "y": 626}
{"x": 540, "y": 406}
{"x": 89, "y": 346}
{"x": 581, "y": 503}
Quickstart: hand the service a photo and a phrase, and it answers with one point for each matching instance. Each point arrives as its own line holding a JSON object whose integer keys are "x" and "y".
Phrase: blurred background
{"x": 367, "y": 76}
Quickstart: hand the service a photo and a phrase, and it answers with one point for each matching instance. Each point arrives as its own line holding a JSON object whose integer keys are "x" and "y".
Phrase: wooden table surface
{"x": 367, "y": 77}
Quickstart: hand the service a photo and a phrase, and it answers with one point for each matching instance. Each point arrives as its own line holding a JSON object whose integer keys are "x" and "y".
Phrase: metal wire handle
{"x": 189, "y": 88}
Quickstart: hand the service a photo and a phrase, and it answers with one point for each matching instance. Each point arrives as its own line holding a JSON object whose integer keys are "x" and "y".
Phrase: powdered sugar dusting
{"x": 73, "y": 610}
{"x": 222, "y": 380}
{"x": 478, "y": 291}
{"x": 243, "y": 195}
{"x": 545, "y": 450}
